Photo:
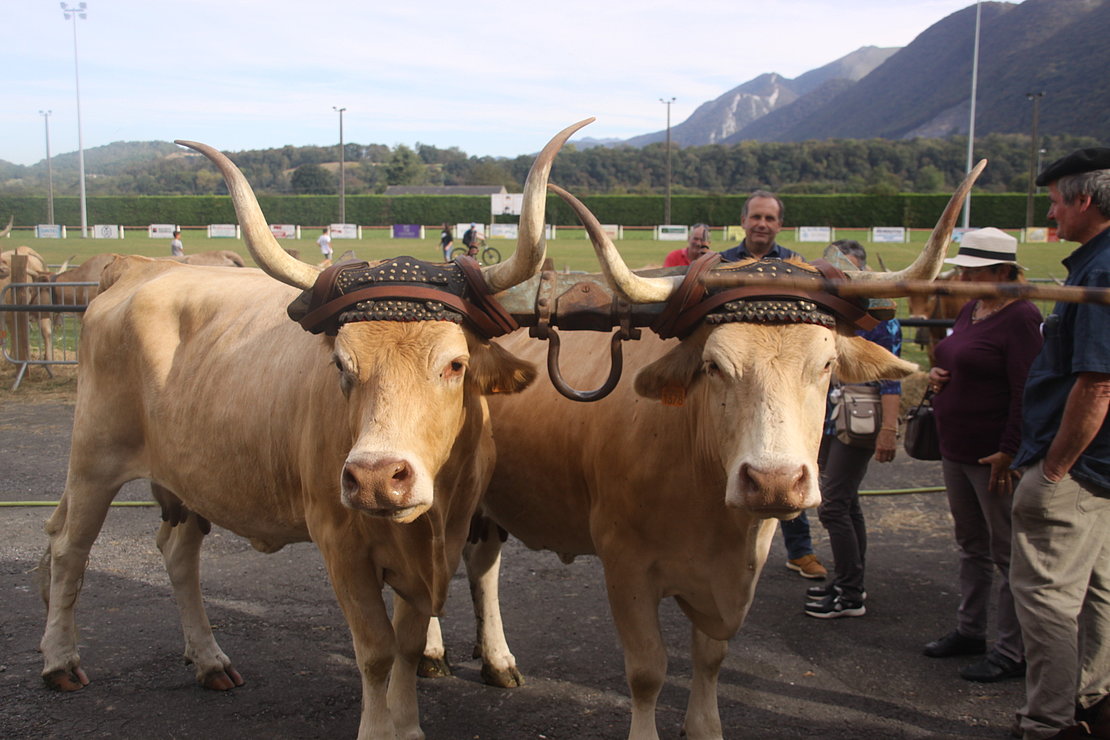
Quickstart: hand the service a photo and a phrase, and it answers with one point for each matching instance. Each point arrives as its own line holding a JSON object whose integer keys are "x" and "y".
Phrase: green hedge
{"x": 911, "y": 210}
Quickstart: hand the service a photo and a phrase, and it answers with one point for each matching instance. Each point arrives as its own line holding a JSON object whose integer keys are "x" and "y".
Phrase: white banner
{"x": 613, "y": 231}
{"x": 285, "y": 231}
{"x": 815, "y": 234}
{"x": 888, "y": 234}
{"x": 344, "y": 231}
{"x": 161, "y": 231}
{"x": 107, "y": 231}
{"x": 1037, "y": 234}
{"x": 671, "y": 233}
{"x": 503, "y": 231}
{"x": 50, "y": 231}
{"x": 506, "y": 204}
{"x": 223, "y": 231}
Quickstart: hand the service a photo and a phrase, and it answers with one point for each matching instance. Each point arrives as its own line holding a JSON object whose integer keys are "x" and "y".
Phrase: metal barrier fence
{"x": 40, "y": 324}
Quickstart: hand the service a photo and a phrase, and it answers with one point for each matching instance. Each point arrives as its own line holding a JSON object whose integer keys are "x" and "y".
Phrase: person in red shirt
{"x": 696, "y": 246}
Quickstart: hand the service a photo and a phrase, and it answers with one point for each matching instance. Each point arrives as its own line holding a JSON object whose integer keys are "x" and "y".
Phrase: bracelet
{"x": 888, "y": 429}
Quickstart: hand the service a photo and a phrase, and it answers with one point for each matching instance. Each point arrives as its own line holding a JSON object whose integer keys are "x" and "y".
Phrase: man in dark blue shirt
{"x": 761, "y": 218}
{"x": 1060, "y": 570}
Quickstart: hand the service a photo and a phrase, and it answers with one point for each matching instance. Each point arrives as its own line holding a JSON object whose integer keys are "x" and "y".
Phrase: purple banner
{"x": 406, "y": 231}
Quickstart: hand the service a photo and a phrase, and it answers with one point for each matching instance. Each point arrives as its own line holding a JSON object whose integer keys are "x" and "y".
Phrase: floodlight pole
{"x": 73, "y": 13}
{"x": 971, "y": 120}
{"x": 49, "y": 169}
{"x": 1034, "y": 157}
{"x": 342, "y": 179}
{"x": 667, "y": 202}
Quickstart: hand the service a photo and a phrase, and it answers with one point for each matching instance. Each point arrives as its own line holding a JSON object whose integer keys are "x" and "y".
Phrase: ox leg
{"x": 483, "y": 567}
{"x": 703, "y": 719}
{"x": 360, "y": 597}
{"x": 180, "y": 539}
{"x": 433, "y": 664}
{"x": 635, "y": 610}
{"x": 410, "y": 627}
{"x": 72, "y": 528}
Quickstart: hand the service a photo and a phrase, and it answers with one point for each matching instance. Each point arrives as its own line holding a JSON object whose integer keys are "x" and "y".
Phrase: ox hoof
{"x": 63, "y": 680}
{"x": 433, "y": 668}
{"x": 502, "y": 678}
{"x": 222, "y": 680}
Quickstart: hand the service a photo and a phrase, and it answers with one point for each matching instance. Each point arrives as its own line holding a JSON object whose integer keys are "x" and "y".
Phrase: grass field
{"x": 571, "y": 251}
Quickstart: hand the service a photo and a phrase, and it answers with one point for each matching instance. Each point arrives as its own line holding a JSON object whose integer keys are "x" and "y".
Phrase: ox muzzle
{"x": 387, "y": 486}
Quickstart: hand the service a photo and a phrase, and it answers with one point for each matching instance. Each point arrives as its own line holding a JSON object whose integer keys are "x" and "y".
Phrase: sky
{"x": 490, "y": 77}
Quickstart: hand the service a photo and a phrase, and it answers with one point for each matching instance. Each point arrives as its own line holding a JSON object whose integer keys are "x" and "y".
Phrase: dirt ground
{"x": 787, "y": 675}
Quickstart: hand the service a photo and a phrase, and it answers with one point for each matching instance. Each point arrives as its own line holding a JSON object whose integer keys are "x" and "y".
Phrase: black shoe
{"x": 955, "y": 644}
{"x": 833, "y": 607}
{"x": 816, "y": 593}
{"x": 994, "y": 667}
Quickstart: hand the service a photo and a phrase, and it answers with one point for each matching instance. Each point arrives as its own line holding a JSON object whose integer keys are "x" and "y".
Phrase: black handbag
{"x": 921, "y": 440}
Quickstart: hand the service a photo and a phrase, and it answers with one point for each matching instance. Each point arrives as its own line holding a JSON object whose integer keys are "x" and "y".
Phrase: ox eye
{"x": 711, "y": 368}
{"x": 453, "y": 369}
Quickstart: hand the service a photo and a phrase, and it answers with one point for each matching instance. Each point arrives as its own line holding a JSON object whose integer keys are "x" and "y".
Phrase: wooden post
{"x": 20, "y": 326}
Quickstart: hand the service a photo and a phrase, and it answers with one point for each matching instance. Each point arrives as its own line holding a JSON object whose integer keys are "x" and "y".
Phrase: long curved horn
{"x": 8, "y": 229}
{"x": 531, "y": 246}
{"x": 275, "y": 261}
{"x": 632, "y": 287}
{"x": 928, "y": 263}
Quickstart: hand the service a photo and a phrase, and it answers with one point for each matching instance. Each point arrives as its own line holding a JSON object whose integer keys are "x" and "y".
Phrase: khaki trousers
{"x": 1060, "y": 579}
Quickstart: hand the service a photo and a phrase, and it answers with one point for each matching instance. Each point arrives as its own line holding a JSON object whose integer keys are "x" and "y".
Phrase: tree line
{"x": 872, "y": 166}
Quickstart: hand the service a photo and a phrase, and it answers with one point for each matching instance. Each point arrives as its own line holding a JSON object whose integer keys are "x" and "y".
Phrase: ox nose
{"x": 382, "y": 487}
{"x": 774, "y": 491}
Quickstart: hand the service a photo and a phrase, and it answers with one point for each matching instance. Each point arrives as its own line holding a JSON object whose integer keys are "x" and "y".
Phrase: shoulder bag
{"x": 922, "y": 442}
{"x": 858, "y": 414}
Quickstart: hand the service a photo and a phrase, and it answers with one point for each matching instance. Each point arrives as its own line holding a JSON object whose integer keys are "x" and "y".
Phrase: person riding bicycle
{"x": 472, "y": 241}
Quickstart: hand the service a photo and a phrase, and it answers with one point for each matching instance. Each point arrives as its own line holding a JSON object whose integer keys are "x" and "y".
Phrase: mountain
{"x": 924, "y": 89}
{"x": 720, "y": 119}
{"x": 109, "y": 159}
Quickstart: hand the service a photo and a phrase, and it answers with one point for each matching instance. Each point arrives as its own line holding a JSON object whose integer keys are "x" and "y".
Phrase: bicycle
{"x": 488, "y": 255}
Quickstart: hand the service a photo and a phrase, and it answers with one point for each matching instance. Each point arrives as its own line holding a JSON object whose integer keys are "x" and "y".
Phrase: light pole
{"x": 667, "y": 202}
{"x": 49, "y": 169}
{"x": 342, "y": 179}
{"x": 81, "y": 11}
{"x": 1033, "y": 156}
{"x": 971, "y": 121}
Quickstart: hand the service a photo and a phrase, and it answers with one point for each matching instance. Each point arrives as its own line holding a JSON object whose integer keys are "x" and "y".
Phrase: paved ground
{"x": 787, "y": 675}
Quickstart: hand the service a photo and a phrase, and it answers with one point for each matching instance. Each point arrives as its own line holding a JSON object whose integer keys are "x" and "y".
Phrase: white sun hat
{"x": 985, "y": 247}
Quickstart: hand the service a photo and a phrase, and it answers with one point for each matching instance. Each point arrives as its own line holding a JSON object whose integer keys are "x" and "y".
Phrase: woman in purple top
{"x": 979, "y": 376}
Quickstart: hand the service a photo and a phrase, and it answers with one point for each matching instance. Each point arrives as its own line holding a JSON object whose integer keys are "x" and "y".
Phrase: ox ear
{"x": 668, "y": 378}
{"x": 861, "y": 361}
{"x": 496, "y": 370}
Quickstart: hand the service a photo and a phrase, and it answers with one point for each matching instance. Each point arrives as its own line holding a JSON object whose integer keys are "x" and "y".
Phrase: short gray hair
{"x": 852, "y": 248}
{"x": 764, "y": 194}
{"x": 1095, "y": 183}
{"x": 708, "y": 231}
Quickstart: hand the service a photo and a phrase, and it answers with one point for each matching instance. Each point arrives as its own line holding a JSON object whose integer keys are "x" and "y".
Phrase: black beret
{"x": 1076, "y": 163}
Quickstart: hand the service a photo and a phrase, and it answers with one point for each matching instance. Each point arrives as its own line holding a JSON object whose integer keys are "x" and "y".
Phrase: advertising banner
{"x": 285, "y": 231}
{"x": 815, "y": 234}
{"x": 408, "y": 231}
{"x": 107, "y": 231}
{"x": 888, "y": 234}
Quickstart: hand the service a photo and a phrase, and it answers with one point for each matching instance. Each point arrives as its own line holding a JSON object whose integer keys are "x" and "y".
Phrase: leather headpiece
{"x": 401, "y": 289}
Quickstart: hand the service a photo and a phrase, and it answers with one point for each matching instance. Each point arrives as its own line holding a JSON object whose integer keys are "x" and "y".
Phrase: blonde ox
{"x": 374, "y": 444}
{"x": 675, "y": 480}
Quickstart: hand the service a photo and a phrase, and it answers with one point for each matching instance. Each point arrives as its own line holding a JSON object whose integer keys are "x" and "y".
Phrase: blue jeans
{"x": 795, "y": 533}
